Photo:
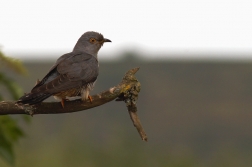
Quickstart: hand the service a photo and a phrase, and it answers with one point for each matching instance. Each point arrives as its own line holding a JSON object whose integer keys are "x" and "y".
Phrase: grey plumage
{"x": 73, "y": 74}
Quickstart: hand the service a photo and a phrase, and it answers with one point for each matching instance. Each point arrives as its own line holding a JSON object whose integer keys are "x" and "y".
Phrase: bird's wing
{"x": 53, "y": 73}
{"x": 73, "y": 71}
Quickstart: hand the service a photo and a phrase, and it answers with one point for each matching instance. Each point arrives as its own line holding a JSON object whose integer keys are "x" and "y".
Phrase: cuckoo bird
{"x": 72, "y": 75}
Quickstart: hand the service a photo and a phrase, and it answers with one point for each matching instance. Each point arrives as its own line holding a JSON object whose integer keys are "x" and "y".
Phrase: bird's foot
{"x": 90, "y": 99}
{"x": 63, "y": 103}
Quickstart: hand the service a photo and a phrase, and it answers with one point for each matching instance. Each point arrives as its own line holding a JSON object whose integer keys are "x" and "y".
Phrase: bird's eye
{"x": 92, "y": 40}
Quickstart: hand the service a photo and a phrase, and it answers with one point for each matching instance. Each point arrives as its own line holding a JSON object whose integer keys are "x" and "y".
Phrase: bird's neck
{"x": 82, "y": 48}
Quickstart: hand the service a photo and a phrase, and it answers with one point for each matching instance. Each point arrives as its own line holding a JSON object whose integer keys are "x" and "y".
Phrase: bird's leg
{"x": 90, "y": 98}
{"x": 63, "y": 103}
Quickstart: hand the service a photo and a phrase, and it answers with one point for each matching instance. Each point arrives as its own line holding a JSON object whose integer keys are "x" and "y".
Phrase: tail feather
{"x": 33, "y": 98}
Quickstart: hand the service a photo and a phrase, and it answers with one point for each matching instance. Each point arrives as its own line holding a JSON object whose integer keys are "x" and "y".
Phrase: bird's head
{"x": 90, "y": 42}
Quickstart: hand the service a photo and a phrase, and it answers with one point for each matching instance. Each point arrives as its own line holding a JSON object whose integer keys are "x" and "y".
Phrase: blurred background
{"x": 195, "y": 60}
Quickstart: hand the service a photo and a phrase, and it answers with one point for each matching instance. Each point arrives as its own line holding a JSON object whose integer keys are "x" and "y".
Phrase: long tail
{"x": 33, "y": 98}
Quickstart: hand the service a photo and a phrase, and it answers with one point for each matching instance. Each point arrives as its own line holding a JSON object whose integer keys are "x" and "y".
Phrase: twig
{"x": 130, "y": 98}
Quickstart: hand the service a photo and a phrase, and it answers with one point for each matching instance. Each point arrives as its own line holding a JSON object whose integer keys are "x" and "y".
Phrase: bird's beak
{"x": 106, "y": 40}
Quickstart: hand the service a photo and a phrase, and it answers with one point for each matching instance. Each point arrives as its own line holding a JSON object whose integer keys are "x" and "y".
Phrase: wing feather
{"x": 72, "y": 71}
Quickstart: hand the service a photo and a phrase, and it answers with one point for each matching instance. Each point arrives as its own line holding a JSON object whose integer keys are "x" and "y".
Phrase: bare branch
{"x": 126, "y": 91}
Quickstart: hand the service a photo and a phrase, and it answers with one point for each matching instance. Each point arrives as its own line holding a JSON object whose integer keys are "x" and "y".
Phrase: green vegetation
{"x": 10, "y": 132}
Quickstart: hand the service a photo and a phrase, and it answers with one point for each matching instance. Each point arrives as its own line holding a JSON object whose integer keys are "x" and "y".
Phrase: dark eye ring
{"x": 92, "y": 40}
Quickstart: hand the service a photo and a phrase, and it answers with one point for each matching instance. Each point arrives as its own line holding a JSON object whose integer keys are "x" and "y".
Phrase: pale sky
{"x": 150, "y": 27}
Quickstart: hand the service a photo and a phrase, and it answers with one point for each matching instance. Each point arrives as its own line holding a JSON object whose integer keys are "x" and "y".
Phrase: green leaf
{"x": 6, "y": 150}
{"x": 1, "y": 97}
{"x": 10, "y": 129}
{"x": 9, "y": 134}
{"x": 14, "y": 64}
{"x": 11, "y": 86}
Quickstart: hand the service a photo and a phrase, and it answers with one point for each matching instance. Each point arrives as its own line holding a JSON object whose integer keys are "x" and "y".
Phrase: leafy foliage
{"x": 12, "y": 64}
{"x": 14, "y": 90}
{"x": 10, "y": 132}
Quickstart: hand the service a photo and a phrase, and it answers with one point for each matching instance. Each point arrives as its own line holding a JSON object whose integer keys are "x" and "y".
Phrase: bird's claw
{"x": 90, "y": 99}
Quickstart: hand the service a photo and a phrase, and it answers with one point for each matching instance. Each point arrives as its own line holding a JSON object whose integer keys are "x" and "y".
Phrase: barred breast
{"x": 81, "y": 91}
{"x": 68, "y": 93}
